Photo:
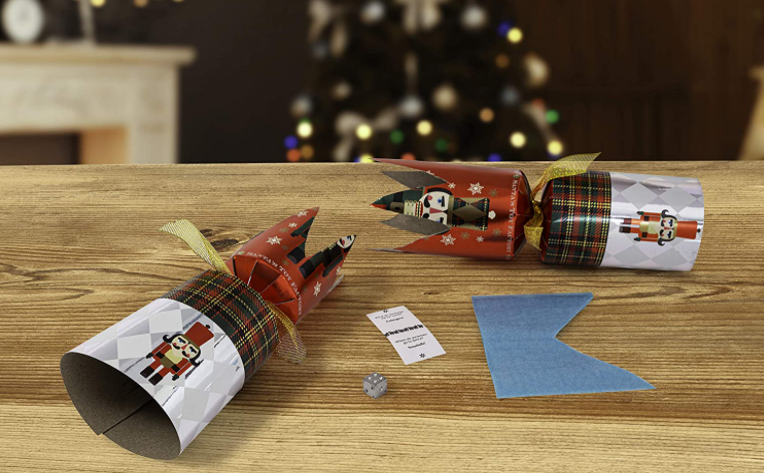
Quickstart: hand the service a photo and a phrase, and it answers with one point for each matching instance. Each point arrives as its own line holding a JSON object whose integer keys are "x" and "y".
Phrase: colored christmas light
{"x": 486, "y": 115}
{"x": 552, "y": 116}
{"x": 424, "y": 127}
{"x": 307, "y": 151}
{"x": 396, "y": 136}
{"x": 504, "y": 28}
{"x": 517, "y": 139}
{"x": 365, "y": 158}
{"x": 363, "y": 132}
{"x": 441, "y": 145}
{"x": 304, "y": 129}
{"x": 494, "y": 157}
{"x": 554, "y": 147}
{"x": 291, "y": 142}
{"x": 515, "y": 35}
{"x": 408, "y": 157}
{"x": 293, "y": 155}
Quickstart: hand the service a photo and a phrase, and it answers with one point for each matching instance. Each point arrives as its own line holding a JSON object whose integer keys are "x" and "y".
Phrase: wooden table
{"x": 80, "y": 250}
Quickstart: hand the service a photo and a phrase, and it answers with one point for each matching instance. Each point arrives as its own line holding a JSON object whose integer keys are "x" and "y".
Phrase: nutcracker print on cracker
{"x": 659, "y": 227}
{"x": 177, "y": 354}
{"x": 461, "y": 210}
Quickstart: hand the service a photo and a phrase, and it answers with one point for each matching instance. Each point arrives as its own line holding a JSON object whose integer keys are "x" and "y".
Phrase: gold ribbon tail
{"x": 290, "y": 345}
{"x": 187, "y": 232}
{"x": 568, "y": 166}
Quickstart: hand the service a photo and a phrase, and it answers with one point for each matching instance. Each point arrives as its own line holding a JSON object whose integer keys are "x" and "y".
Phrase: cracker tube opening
{"x": 154, "y": 380}
{"x": 114, "y": 405}
{"x": 469, "y": 211}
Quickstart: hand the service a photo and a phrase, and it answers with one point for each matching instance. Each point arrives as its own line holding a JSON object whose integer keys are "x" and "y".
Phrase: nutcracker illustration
{"x": 439, "y": 205}
{"x": 460, "y": 210}
{"x": 659, "y": 227}
{"x": 177, "y": 353}
{"x": 330, "y": 257}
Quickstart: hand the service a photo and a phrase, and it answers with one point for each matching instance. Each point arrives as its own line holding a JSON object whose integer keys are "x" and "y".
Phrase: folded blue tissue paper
{"x": 525, "y": 358}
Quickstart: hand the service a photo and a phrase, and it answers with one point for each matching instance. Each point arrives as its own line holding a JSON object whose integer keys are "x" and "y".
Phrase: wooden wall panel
{"x": 649, "y": 79}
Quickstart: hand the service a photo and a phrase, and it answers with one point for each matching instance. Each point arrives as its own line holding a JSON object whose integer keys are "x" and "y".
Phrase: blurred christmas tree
{"x": 421, "y": 79}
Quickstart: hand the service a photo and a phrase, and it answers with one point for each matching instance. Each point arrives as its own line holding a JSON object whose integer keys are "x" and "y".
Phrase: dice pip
{"x": 375, "y": 385}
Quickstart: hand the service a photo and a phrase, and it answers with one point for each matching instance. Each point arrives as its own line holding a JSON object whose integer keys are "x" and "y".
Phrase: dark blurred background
{"x": 647, "y": 80}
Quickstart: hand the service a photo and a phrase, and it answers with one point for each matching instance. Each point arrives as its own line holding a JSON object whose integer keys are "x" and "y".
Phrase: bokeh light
{"x": 396, "y": 136}
{"x": 554, "y": 147}
{"x": 494, "y": 157}
{"x": 517, "y": 139}
{"x": 515, "y": 35}
{"x": 486, "y": 115}
{"x": 307, "y": 151}
{"x": 408, "y": 157}
{"x": 504, "y": 28}
{"x": 291, "y": 142}
{"x": 293, "y": 155}
{"x": 424, "y": 127}
{"x": 363, "y": 132}
{"x": 304, "y": 129}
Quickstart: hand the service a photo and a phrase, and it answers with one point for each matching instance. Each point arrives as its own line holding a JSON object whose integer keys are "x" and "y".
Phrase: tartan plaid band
{"x": 237, "y": 309}
{"x": 580, "y": 219}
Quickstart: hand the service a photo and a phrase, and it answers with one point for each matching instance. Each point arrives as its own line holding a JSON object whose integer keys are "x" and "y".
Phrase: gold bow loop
{"x": 568, "y": 166}
{"x": 187, "y": 232}
{"x": 290, "y": 345}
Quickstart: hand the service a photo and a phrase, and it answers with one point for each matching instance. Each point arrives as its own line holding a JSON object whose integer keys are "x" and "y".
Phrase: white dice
{"x": 375, "y": 385}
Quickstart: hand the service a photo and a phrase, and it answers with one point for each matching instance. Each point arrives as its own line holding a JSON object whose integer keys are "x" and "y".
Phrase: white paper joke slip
{"x": 411, "y": 339}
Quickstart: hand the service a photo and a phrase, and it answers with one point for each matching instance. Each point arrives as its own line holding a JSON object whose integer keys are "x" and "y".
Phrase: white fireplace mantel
{"x": 123, "y": 100}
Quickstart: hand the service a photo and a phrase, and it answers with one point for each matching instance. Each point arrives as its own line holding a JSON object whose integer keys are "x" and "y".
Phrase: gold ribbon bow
{"x": 290, "y": 345}
{"x": 568, "y": 166}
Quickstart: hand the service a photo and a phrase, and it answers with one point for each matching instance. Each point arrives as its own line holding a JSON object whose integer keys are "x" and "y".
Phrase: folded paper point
{"x": 525, "y": 358}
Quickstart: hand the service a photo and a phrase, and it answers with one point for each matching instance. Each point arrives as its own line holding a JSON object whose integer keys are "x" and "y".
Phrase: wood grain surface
{"x": 80, "y": 250}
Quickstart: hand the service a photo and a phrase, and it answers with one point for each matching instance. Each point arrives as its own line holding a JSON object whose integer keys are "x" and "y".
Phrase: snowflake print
{"x": 494, "y": 193}
{"x": 451, "y": 185}
{"x": 466, "y": 235}
{"x": 292, "y": 225}
{"x": 317, "y": 289}
{"x": 492, "y": 215}
{"x": 274, "y": 240}
{"x": 476, "y": 188}
{"x": 497, "y": 232}
{"x": 303, "y": 213}
{"x": 447, "y": 240}
{"x": 479, "y": 239}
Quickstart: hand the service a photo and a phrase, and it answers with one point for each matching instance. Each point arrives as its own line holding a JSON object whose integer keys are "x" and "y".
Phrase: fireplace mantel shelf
{"x": 123, "y": 100}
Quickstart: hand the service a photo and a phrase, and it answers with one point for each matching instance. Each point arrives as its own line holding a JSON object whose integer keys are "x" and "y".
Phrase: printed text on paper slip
{"x": 411, "y": 339}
